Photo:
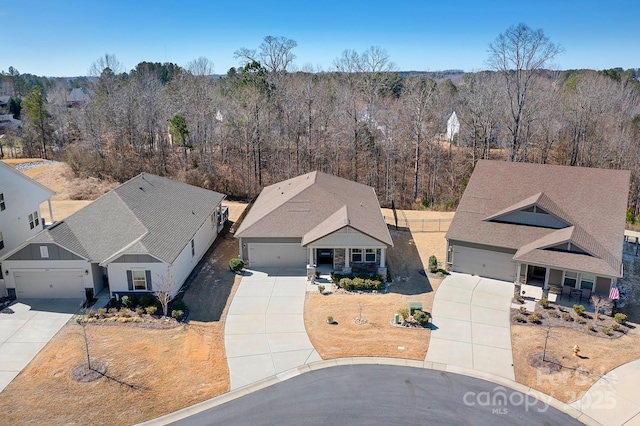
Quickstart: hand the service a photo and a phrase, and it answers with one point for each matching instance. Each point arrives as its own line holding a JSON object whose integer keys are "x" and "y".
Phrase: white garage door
{"x": 485, "y": 263}
{"x": 49, "y": 284}
{"x": 263, "y": 255}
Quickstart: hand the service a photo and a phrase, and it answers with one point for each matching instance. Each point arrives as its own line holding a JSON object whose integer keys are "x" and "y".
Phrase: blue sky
{"x": 63, "y": 38}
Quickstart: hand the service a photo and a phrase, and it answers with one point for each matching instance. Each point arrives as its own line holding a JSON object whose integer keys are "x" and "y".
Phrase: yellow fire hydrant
{"x": 576, "y": 350}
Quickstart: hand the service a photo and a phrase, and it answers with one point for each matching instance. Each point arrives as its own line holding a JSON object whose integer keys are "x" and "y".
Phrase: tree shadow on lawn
{"x": 209, "y": 285}
{"x": 404, "y": 263}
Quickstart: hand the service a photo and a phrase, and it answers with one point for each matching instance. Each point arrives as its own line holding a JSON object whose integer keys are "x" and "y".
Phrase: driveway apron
{"x": 264, "y": 330}
{"x": 25, "y": 328}
{"x": 471, "y": 316}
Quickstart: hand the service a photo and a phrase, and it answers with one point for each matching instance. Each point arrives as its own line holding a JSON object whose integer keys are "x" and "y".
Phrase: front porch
{"x": 348, "y": 260}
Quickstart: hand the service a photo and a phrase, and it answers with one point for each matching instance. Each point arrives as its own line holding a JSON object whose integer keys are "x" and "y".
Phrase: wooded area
{"x": 265, "y": 121}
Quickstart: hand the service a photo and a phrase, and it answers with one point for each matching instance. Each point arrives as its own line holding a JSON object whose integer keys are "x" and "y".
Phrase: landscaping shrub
{"x": 177, "y": 314}
{"x": 178, "y": 305}
{"x": 440, "y": 274}
{"x": 124, "y": 313}
{"x": 606, "y": 331}
{"x": 522, "y": 310}
{"x": 321, "y": 289}
{"x": 421, "y": 317}
{"x": 518, "y": 318}
{"x": 579, "y": 309}
{"x": 236, "y": 264}
{"x": 151, "y": 310}
{"x": 359, "y": 284}
{"x": 404, "y": 313}
{"x": 544, "y": 303}
{"x": 620, "y": 318}
{"x": 554, "y": 314}
{"x": 433, "y": 264}
{"x": 129, "y": 301}
{"x": 518, "y": 297}
{"x": 102, "y": 312}
{"x": 113, "y": 311}
{"x": 567, "y": 316}
{"x": 330, "y": 319}
{"x": 139, "y": 311}
{"x": 615, "y": 327}
{"x": 534, "y": 318}
{"x": 591, "y": 327}
{"x": 145, "y": 300}
{"x": 581, "y": 320}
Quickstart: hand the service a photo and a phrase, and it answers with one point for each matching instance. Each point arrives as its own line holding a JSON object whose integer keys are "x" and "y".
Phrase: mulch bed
{"x": 83, "y": 373}
{"x": 566, "y": 317}
{"x": 549, "y": 365}
{"x": 147, "y": 321}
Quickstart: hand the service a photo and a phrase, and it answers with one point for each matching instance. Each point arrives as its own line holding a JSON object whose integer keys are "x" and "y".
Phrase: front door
{"x": 325, "y": 256}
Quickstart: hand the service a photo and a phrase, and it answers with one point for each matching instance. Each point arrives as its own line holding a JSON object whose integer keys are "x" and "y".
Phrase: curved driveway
{"x": 382, "y": 395}
{"x": 264, "y": 332}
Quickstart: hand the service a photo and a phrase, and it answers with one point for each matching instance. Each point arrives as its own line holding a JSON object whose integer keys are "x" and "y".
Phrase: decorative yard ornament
{"x": 576, "y": 350}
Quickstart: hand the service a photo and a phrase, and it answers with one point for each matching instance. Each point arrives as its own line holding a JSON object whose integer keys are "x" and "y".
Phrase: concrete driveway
{"x": 26, "y": 327}
{"x": 472, "y": 316}
{"x": 264, "y": 331}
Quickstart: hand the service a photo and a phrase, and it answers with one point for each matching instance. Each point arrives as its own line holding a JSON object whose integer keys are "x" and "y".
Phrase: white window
{"x": 356, "y": 255}
{"x": 34, "y": 220}
{"x": 139, "y": 280}
{"x": 586, "y": 281}
{"x": 44, "y": 252}
{"x": 193, "y": 248}
{"x": 1, "y": 241}
{"x": 2, "y": 205}
{"x": 370, "y": 255}
{"x": 570, "y": 279}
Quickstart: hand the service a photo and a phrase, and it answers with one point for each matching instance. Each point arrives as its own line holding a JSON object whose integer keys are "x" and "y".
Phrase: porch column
{"x": 50, "y": 211}
{"x": 310, "y": 255}
{"x": 347, "y": 258}
{"x": 518, "y": 270}
{"x": 240, "y": 248}
{"x": 383, "y": 257}
{"x": 546, "y": 278}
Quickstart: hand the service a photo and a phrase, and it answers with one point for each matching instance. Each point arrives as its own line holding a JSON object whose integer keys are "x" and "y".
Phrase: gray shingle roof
{"x": 146, "y": 215}
{"x": 312, "y": 206}
{"x": 593, "y": 200}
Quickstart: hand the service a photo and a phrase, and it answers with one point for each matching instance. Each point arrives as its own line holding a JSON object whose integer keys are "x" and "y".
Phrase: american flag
{"x": 614, "y": 293}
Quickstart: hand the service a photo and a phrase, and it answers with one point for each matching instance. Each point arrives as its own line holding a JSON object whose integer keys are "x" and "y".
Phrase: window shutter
{"x": 130, "y": 280}
{"x": 149, "y": 286}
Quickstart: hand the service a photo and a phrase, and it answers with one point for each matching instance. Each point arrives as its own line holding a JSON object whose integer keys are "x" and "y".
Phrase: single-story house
{"x": 315, "y": 219}
{"x": 145, "y": 235}
{"x": 543, "y": 225}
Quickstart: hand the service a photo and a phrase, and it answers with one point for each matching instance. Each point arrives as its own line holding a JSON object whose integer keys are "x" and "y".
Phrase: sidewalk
{"x": 614, "y": 399}
{"x": 264, "y": 331}
{"x": 472, "y": 316}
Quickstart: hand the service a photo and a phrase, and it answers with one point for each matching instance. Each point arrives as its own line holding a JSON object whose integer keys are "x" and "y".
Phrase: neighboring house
{"x": 20, "y": 216}
{"x": 541, "y": 225}
{"x": 315, "y": 219}
{"x": 147, "y": 234}
{"x": 78, "y": 97}
{"x": 453, "y": 126}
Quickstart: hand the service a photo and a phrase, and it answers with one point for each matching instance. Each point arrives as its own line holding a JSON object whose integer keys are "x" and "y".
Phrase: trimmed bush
{"x": 534, "y": 318}
{"x": 522, "y": 310}
{"x": 102, "y": 312}
{"x": 606, "y": 330}
{"x": 139, "y": 311}
{"x": 236, "y": 264}
{"x": 567, "y": 316}
{"x": 554, "y": 314}
{"x": 433, "y": 264}
{"x": 359, "y": 284}
{"x": 330, "y": 319}
{"x": 404, "y": 313}
{"x": 518, "y": 318}
{"x": 421, "y": 317}
{"x": 145, "y": 300}
{"x": 544, "y": 303}
{"x": 620, "y": 318}
{"x": 615, "y": 327}
{"x": 129, "y": 301}
{"x": 178, "y": 305}
{"x": 591, "y": 327}
{"x": 518, "y": 297}
{"x": 578, "y": 309}
{"x": 151, "y": 310}
{"x": 177, "y": 314}
{"x": 321, "y": 289}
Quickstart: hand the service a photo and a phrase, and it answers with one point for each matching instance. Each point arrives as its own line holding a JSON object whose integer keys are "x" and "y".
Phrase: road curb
{"x": 319, "y": 365}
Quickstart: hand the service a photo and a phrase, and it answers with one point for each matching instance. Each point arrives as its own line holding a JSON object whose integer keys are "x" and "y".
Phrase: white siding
{"x": 22, "y": 197}
{"x": 118, "y": 274}
{"x": 346, "y": 238}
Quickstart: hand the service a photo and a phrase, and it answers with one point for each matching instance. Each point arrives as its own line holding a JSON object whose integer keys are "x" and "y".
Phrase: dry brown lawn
{"x": 598, "y": 356}
{"x": 160, "y": 370}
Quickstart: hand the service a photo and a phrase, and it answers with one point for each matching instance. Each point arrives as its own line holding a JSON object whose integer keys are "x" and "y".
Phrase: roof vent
{"x": 142, "y": 175}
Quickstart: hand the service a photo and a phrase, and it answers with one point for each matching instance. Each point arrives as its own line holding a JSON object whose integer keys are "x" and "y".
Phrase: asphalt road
{"x": 382, "y": 395}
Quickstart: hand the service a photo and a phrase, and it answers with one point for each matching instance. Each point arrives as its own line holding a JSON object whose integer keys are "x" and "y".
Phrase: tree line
{"x": 266, "y": 121}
